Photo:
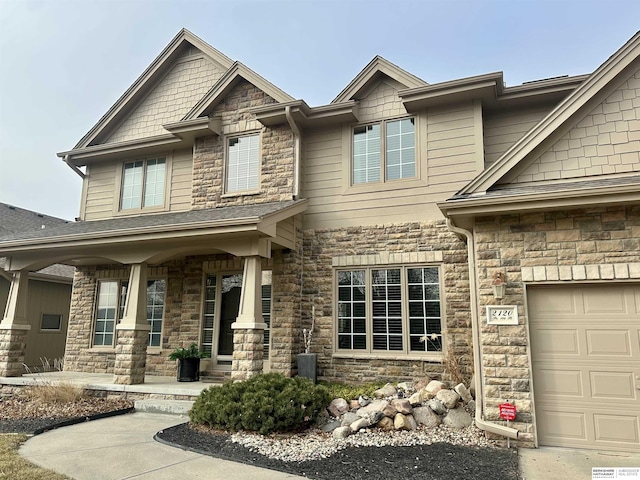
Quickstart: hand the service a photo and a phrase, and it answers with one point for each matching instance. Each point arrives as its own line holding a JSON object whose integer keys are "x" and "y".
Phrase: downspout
{"x": 296, "y": 151}
{"x": 481, "y": 423}
{"x": 73, "y": 167}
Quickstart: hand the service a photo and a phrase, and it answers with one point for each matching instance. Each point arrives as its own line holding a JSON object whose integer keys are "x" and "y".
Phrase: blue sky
{"x": 63, "y": 63}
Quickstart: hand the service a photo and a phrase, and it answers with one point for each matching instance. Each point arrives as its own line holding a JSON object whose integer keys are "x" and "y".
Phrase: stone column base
{"x": 131, "y": 356}
{"x": 248, "y": 353}
{"x": 13, "y": 343}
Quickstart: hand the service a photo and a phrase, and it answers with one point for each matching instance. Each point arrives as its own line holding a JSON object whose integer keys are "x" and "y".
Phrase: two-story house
{"x": 410, "y": 223}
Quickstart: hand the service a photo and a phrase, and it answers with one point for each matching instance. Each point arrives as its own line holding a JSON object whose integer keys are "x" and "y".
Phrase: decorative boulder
{"x": 342, "y": 432}
{"x": 402, "y": 406}
{"x": 423, "y": 382}
{"x": 331, "y": 426}
{"x": 386, "y": 424}
{"x": 348, "y": 418}
{"x": 416, "y": 398}
{"x": 387, "y": 391}
{"x": 457, "y": 418}
{"x": 375, "y": 406}
{"x": 404, "y": 422}
{"x": 463, "y": 392}
{"x": 437, "y": 406}
{"x": 364, "y": 401}
{"x": 427, "y": 417}
{"x": 338, "y": 406}
{"x": 390, "y": 411}
{"x": 449, "y": 398}
{"x": 434, "y": 387}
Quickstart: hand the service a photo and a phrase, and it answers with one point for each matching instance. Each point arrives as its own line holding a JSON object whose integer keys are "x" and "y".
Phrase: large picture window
{"x": 112, "y": 295}
{"x": 243, "y": 163}
{"x": 394, "y": 309}
{"x": 396, "y": 138}
{"x": 143, "y": 183}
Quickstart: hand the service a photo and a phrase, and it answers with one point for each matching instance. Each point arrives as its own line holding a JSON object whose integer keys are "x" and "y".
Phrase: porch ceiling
{"x": 239, "y": 230}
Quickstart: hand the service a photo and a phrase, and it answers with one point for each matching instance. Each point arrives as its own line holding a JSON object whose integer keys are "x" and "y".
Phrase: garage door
{"x": 585, "y": 349}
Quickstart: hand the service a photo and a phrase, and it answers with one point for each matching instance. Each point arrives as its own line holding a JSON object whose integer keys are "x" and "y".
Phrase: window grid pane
{"x": 351, "y": 310}
{"x": 132, "y": 185}
{"x": 209, "y": 314}
{"x": 387, "y": 309}
{"x": 243, "y": 163}
{"x": 401, "y": 151}
{"x": 366, "y": 154}
{"x": 106, "y": 313}
{"x": 155, "y": 310}
{"x": 154, "y": 183}
{"x": 425, "y": 332}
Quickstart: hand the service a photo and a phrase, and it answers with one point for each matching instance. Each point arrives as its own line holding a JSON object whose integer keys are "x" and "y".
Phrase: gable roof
{"x": 377, "y": 67}
{"x": 148, "y": 78}
{"x": 566, "y": 110}
{"x": 229, "y": 80}
{"x": 16, "y": 220}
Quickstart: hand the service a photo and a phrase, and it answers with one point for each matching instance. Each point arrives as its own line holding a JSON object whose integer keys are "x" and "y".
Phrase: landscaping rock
{"x": 434, "y": 387}
{"x": 406, "y": 387}
{"x": 404, "y": 422}
{"x": 338, "y": 406}
{"x": 427, "y": 417}
{"x": 437, "y": 406}
{"x": 471, "y": 408}
{"x": 354, "y": 405}
{"x": 457, "y": 418}
{"x": 449, "y": 398}
{"x": 461, "y": 390}
{"x": 342, "y": 432}
{"x": 348, "y": 418}
{"x": 402, "y": 406}
{"x": 364, "y": 401}
{"x": 390, "y": 411}
{"x": 416, "y": 398}
{"x": 359, "y": 424}
{"x": 386, "y": 424}
{"x": 423, "y": 382}
{"x": 374, "y": 406}
{"x": 331, "y": 426}
{"x": 387, "y": 391}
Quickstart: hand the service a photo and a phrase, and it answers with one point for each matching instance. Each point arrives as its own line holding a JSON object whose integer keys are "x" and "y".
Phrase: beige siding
{"x": 502, "y": 130}
{"x": 53, "y": 298}
{"x": 171, "y": 99}
{"x": 604, "y": 142}
{"x": 181, "y": 177}
{"x": 101, "y": 191}
{"x": 286, "y": 233}
{"x": 381, "y": 102}
{"x": 447, "y": 153}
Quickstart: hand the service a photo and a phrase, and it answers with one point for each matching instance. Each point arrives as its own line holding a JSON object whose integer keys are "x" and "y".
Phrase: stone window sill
{"x": 433, "y": 358}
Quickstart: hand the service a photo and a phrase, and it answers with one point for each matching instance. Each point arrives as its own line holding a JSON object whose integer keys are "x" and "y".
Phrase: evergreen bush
{"x": 265, "y": 403}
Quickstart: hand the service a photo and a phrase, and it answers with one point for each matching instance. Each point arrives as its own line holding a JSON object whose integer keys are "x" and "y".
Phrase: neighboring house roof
{"x": 573, "y": 106}
{"x": 15, "y": 221}
{"x": 149, "y": 77}
{"x": 371, "y": 73}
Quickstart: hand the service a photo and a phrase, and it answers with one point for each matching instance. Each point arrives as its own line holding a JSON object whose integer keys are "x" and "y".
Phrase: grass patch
{"x": 13, "y": 467}
{"x": 352, "y": 392}
{"x": 48, "y": 393}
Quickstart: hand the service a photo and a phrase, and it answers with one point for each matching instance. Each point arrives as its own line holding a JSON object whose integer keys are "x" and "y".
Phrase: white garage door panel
{"x": 585, "y": 348}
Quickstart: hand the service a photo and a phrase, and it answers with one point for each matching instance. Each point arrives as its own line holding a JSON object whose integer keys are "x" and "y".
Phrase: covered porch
{"x": 111, "y": 330}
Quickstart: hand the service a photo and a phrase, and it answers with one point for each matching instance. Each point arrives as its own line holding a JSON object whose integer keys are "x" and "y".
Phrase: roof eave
{"x": 346, "y": 112}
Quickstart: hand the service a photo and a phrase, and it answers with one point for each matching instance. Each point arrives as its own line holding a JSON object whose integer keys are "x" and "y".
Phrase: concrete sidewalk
{"x": 123, "y": 447}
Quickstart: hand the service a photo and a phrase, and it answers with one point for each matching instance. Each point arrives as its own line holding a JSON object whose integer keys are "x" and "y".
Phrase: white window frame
{"x": 383, "y": 153}
{"x": 406, "y": 351}
{"x": 122, "y": 291}
{"x": 229, "y": 169}
{"x": 119, "y": 208}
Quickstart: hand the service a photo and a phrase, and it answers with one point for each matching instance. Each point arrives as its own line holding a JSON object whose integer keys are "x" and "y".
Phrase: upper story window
{"x": 396, "y": 138}
{"x": 243, "y": 163}
{"x": 143, "y": 184}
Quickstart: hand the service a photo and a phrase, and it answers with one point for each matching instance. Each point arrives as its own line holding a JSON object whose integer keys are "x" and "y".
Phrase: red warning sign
{"x": 507, "y": 411}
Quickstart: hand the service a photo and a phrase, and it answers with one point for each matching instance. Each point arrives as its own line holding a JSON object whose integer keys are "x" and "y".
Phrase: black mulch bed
{"x": 36, "y": 426}
{"x": 440, "y": 461}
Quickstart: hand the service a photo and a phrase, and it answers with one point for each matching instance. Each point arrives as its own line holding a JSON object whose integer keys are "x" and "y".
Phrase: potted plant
{"x": 307, "y": 361}
{"x": 188, "y": 362}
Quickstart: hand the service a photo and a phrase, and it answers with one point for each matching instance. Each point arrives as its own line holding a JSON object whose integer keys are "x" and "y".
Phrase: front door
{"x": 221, "y": 306}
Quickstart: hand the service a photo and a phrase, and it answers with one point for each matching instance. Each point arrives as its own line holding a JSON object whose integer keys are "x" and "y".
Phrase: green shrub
{"x": 352, "y": 392}
{"x": 265, "y": 403}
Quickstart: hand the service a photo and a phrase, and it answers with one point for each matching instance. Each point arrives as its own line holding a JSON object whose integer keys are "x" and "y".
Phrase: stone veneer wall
{"x": 571, "y": 245}
{"x": 277, "y": 159}
{"x": 403, "y": 244}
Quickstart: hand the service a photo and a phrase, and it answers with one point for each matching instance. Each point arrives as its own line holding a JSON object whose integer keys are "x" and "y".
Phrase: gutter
{"x": 296, "y": 153}
{"x": 65, "y": 159}
{"x": 481, "y": 423}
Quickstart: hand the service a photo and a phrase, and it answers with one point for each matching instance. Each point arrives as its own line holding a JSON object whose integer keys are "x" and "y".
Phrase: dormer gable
{"x": 378, "y": 69}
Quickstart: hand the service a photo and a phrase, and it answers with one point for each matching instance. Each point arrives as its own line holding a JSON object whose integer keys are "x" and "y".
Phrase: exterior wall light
{"x": 498, "y": 285}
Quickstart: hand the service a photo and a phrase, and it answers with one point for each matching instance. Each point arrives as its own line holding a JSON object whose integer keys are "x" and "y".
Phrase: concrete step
{"x": 171, "y": 407}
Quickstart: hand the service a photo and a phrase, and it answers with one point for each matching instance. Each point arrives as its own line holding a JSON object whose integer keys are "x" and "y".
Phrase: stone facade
{"x": 276, "y": 170}
{"x": 131, "y": 356}
{"x": 399, "y": 244}
{"x": 579, "y": 245}
{"x": 247, "y": 353}
{"x": 13, "y": 343}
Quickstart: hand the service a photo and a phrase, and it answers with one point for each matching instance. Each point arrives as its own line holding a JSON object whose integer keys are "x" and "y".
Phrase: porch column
{"x": 133, "y": 331}
{"x": 248, "y": 329}
{"x": 14, "y": 327}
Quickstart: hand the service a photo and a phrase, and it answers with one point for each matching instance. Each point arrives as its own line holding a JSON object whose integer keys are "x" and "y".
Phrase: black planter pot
{"x": 308, "y": 366}
{"x": 188, "y": 369}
